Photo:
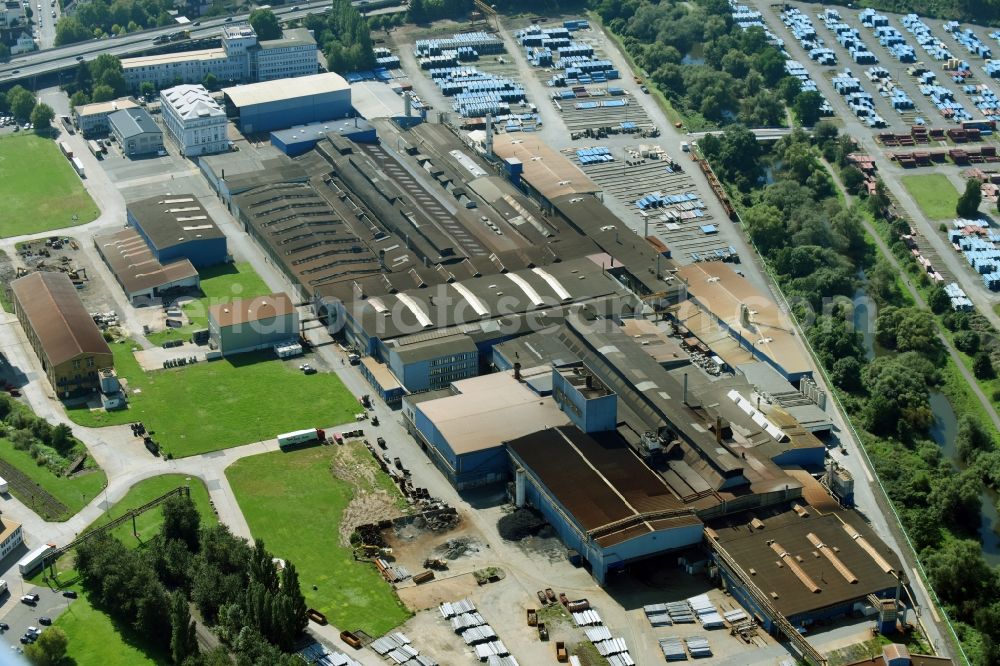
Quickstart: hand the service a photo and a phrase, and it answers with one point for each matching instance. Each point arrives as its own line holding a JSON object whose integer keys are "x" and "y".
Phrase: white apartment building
{"x": 195, "y": 121}
{"x": 10, "y": 536}
{"x": 241, "y": 59}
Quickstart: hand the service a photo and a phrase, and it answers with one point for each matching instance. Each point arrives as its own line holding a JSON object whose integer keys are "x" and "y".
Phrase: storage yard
{"x": 536, "y": 397}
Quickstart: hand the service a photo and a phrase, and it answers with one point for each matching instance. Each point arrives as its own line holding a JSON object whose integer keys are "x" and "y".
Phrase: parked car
{"x": 4, "y": 626}
{"x": 70, "y": 594}
{"x": 45, "y": 620}
{"x": 28, "y": 600}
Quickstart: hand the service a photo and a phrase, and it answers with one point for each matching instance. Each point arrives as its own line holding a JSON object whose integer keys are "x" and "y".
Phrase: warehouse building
{"x": 464, "y": 431}
{"x": 432, "y": 334}
{"x": 533, "y": 165}
{"x": 178, "y": 227}
{"x": 720, "y": 300}
{"x": 194, "y": 120}
{"x": 386, "y": 386}
{"x": 240, "y": 59}
{"x": 600, "y": 498}
{"x": 807, "y": 565}
{"x": 11, "y": 536}
{"x": 92, "y": 119}
{"x": 136, "y": 132}
{"x": 301, "y": 139}
{"x": 250, "y": 324}
{"x": 272, "y": 105}
{"x": 140, "y": 275}
{"x": 65, "y": 338}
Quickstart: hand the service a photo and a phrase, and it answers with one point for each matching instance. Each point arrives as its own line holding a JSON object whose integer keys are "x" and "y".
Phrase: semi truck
{"x": 3, "y": 587}
{"x": 297, "y": 437}
{"x": 95, "y": 148}
{"x": 78, "y": 165}
{"x": 34, "y": 559}
{"x": 66, "y": 150}
{"x": 68, "y": 124}
{"x": 4, "y": 486}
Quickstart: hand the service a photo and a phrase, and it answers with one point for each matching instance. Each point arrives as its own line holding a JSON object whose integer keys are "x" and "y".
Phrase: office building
{"x": 249, "y": 324}
{"x": 136, "y": 132}
{"x": 92, "y": 119}
{"x": 279, "y": 104}
{"x": 242, "y": 58}
{"x": 194, "y": 121}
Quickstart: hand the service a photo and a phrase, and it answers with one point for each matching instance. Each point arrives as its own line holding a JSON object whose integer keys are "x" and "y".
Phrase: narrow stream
{"x": 943, "y": 431}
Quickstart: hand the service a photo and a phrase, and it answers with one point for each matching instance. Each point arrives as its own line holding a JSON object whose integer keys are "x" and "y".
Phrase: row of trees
{"x": 708, "y": 67}
{"x": 95, "y": 19}
{"x": 100, "y": 80}
{"x": 257, "y": 611}
{"x": 816, "y": 247}
{"x": 344, "y": 36}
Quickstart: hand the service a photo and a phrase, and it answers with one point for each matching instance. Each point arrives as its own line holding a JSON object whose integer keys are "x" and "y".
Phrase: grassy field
{"x": 210, "y": 406}
{"x": 39, "y": 187}
{"x": 294, "y": 502}
{"x": 934, "y": 193}
{"x": 219, "y": 284}
{"x": 95, "y": 640}
{"x": 148, "y": 524}
{"x": 74, "y": 492}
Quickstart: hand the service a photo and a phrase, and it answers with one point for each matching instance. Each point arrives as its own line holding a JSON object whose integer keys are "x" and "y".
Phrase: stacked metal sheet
{"x": 623, "y": 659}
{"x": 673, "y": 649}
{"x": 698, "y": 647}
{"x": 494, "y": 660}
{"x": 403, "y": 654}
{"x": 460, "y": 623}
{"x": 611, "y": 646}
{"x": 494, "y": 648}
{"x": 657, "y": 615}
{"x": 336, "y": 659}
{"x": 680, "y": 612}
{"x": 735, "y": 615}
{"x": 711, "y": 620}
{"x": 424, "y": 660}
{"x": 597, "y": 634}
{"x": 587, "y": 618}
{"x": 450, "y": 609}
{"x": 481, "y": 634}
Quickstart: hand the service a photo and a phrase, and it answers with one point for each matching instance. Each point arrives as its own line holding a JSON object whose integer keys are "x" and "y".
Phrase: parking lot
{"x": 51, "y": 604}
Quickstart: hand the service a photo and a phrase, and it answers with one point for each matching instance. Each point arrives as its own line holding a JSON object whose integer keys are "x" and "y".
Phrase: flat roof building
{"x": 11, "y": 536}
{"x": 464, "y": 433}
{"x": 545, "y": 172}
{"x": 809, "y": 565}
{"x": 241, "y": 58}
{"x": 250, "y": 324}
{"x": 64, "y": 336}
{"x": 272, "y": 105}
{"x": 136, "y": 132}
{"x": 299, "y": 139}
{"x": 600, "y": 497}
{"x": 194, "y": 120}
{"x": 92, "y": 119}
{"x": 178, "y": 227}
{"x": 752, "y": 318}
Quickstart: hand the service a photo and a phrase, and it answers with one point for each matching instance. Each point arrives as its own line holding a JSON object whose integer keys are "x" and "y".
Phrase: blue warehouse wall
{"x": 589, "y": 415}
{"x": 204, "y": 252}
{"x": 652, "y": 543}
{"x": 481, "y": 468}
{"x": 808, "y": 458}
{"x": 256, "y": 118}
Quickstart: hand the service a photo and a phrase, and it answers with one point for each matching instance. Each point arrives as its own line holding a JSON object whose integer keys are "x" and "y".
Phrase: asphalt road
{"x": 46, "y": 61}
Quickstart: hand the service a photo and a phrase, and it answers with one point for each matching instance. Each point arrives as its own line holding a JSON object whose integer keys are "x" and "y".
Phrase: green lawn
{"x": 210, "y": 406}
{"x": 74, "y": 492}
{"x": 148, "y": 524}
{"x": 294, "y": 502}
{"x": 934, "y": 193}
{"x": 39, "y": 188}
{"x": 95, "y": 640}
{"x": 219, "y": 284}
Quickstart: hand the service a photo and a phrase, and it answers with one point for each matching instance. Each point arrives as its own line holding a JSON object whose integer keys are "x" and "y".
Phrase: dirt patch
{"x": 452, "y": 549}
{"x": 430, "y": 595}
{"x": 371, "y": 503}
{"x": 520, "y": 524}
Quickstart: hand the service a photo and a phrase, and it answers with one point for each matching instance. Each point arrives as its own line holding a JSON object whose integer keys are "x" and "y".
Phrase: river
{"x": 943, "y": 431}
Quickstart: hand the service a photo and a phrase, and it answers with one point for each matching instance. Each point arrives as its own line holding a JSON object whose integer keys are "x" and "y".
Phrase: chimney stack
{"x": 489, "y": 135}
{"x": 685, "y": 388}
{"x": 718, "y": 430}
{"x": 407, "y": 104}
{"x": 517, "y": 371}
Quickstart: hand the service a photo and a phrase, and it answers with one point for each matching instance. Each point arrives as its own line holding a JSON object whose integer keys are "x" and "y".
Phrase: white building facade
{"x": 194, "y": 121}
{"x": 241, "y": 59}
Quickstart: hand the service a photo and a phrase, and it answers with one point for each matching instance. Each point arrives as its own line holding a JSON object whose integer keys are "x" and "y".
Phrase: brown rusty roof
{"x": 798, "y": 536}
{"x": 245, "y": 310}
{"x": 608, "y": 490}
{"x": 133, "y": 263}
{"x": 54, "y": 309}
